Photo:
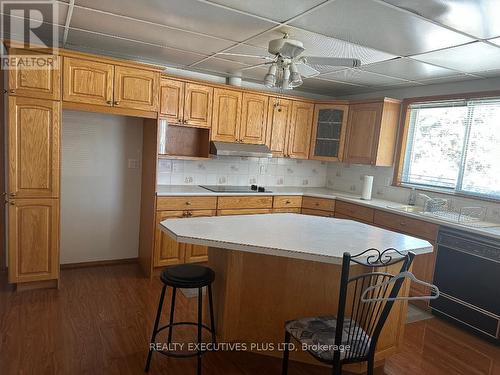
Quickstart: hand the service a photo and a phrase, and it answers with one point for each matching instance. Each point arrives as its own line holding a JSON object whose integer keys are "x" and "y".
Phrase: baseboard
{"x": 99, "y": 263}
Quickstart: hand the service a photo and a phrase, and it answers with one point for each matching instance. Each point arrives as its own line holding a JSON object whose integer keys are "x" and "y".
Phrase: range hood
{"x": 240, "y": 149}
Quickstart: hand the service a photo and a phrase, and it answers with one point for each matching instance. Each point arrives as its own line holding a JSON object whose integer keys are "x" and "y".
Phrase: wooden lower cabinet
{"x": 310, "y": 211}
{"x": 354, "y": 211}
{"x": 168, "y": 251}
{"x": 244, "y": 211}
{"x": 33, "y": 239}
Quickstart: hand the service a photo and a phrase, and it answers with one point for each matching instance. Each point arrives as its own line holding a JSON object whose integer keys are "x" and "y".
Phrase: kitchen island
{"x": 273, "y": 268}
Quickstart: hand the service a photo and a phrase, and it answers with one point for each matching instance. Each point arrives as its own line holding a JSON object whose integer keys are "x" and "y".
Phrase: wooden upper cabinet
{"x": 87, "y": 81}
{"x": 226, "y": 115}
{"x": 300, "y": 130}
{"x": 33, "y": 147}
{"x": 42, "y": 83}
{"x": 198, "y": 101}
{"x": 279, "y": 111}
{"x": 254, "y": 118}
{"x": 328, "y": 132}
{"x": 33, "y": 240}
{"x": 371, "y": 132}
{"x": 136, "y": 88}
{"x": 172, "y": 100}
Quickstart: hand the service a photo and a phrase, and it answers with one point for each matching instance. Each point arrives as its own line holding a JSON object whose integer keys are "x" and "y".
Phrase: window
{"x": 454, "y": 145}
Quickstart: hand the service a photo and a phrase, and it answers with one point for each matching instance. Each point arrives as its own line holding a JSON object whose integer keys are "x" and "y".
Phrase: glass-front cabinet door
{"x": 329, "y": 128}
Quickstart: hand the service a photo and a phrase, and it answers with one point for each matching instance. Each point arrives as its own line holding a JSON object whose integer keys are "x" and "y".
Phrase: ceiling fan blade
{"x": 291, "y": 51}
{"x": 245, "y": 55}
{"x": 254, "y": 66}
{"x": 332, "y": 61}
{"x": 306, "y": 71}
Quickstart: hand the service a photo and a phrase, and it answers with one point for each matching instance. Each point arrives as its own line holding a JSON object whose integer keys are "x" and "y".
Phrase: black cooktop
{"x": 236, "y": 189}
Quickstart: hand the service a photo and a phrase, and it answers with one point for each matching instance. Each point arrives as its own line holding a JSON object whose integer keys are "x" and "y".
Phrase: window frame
{"x": 402, "y": 143}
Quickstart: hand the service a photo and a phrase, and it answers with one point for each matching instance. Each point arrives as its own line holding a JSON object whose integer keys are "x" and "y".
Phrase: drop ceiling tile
{"x": 329, "y": 88}
{"x": 489, "y": 73}
{"x": 106, "y": 23}
{"x": 360, "y": 77}
{"x": 379, "y": 26}
{"x": 469, "y": 58}
{"x": 189, "y": 15}
{"x": 409, "y": 69}
{"x": 474, "y": 17}
{"x": 60, "y": 19}
{"x": 450, "y": 79}
{"x": 277, "y": 10}
{"x": 320, "y": 45}
{"x": 45, "y": 37}
{"x": 222, "y": 66}
{"x": 495, "y": 41}
{"x": 127, "y": 49}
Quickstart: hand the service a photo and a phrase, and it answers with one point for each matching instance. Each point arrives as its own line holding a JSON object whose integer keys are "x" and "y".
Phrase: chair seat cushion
{"x": 318, "y": 334}
{"x": 187, "y": 276}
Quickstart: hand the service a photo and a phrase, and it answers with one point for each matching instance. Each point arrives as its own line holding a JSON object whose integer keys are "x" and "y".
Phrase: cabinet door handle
{"x": 117, "y": 103}
{"x": 12, "y": 194}
{"x": 109, "y": 102}
{"x": 189, "y": 213}
{"x": 12, "y": 91}
{"x": 402, "y": 223}
{"x": 12, "y": 203}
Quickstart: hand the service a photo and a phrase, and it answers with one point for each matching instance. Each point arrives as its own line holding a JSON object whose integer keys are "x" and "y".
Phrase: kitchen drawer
{"x": 287, "y": 201}
{"x": 186, "y": 203}
{"x": 408, "y": 225}
{"x": 318, "y": 203}
{"x": 355, "y": 211}
{"x": 309, "y": 211}
{"x": 245, "y": 211}
{"x": 246, "y": 201}
{"x": 290, "y": 210}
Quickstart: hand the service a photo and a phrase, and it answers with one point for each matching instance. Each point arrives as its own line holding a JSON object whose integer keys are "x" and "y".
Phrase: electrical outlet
{"x": 165, "y": 165}
{"x": 262, "y": 169}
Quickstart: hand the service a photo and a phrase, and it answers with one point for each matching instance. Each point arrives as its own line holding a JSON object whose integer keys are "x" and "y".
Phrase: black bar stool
{"x": 190, "y": 276}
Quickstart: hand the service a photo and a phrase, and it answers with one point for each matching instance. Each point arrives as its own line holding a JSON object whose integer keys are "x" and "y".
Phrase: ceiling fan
{"x": 288, "y": 65}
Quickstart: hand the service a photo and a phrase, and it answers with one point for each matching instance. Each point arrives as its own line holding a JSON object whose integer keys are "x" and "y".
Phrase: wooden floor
{"x": 100, "y": 319}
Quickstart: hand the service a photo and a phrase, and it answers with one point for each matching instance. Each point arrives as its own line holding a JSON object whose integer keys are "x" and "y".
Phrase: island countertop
{"x": 296, "y": 236}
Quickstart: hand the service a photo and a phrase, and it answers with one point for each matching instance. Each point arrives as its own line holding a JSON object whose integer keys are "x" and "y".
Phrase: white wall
{"x": 100, "y": 195}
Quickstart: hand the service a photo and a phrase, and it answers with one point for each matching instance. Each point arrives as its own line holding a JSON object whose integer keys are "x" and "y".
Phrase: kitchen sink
{"x": 407, "y": 208}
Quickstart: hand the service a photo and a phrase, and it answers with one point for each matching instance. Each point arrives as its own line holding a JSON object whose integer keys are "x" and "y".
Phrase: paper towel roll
{"x": 366, "y": 193}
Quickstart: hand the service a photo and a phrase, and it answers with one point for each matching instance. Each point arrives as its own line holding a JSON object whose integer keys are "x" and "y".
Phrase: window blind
{"x": 454, "y": 145}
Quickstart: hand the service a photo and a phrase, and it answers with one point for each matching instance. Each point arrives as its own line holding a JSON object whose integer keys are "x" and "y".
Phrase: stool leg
{"x": 200, "y": 322}
{"x": 172, "y": 309}
{"x": 286, "y": 353}
{"x": 210, "y": 302}
{"x": 155, "y": 329}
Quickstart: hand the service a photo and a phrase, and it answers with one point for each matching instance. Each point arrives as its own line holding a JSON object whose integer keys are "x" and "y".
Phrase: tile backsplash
{"x": 349, "y": 178}
{"x": 242, "y": 171}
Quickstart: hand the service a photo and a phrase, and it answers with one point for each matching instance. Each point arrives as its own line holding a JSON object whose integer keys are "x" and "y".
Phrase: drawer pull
{"x": 287, "y": 202}
{"x": 402, "y": 223}
{"x": 188, "y": 203}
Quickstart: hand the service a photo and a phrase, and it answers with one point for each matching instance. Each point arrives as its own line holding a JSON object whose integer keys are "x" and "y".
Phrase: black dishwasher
{"x": 467, "y": 274}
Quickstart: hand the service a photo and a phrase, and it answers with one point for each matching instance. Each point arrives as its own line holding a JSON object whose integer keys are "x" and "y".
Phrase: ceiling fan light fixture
{"x": 286, "y": 78}
{"x": 295, "y": 77}
{"x": 270, "y": 78}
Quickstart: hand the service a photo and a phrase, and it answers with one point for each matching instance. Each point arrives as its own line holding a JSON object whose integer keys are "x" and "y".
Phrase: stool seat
{"x": 187, "y": 276}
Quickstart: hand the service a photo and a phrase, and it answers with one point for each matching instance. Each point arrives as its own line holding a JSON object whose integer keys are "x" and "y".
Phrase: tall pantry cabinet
{"x": 33, "y": 127}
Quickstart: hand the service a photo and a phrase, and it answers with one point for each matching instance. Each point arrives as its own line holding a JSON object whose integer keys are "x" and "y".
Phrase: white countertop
{"x": 297, "y": 236}
{"x": 380, "y": 204}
